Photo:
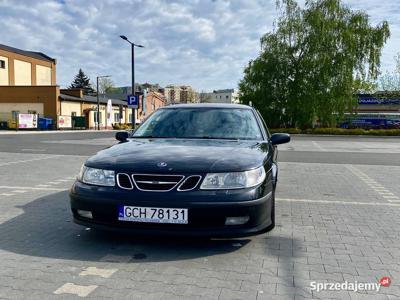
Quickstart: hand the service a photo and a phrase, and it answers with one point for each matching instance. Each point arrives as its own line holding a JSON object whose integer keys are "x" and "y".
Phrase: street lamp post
{"x": 98, "y": 100}
{"x": 133, "y": 45}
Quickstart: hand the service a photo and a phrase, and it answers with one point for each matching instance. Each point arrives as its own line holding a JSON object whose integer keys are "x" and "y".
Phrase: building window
{"x": 73, "y": 114}
{"x": 95, "y": 117}
{"x": 2, "y": 64}
{"x": 116, "y": 117}
{"x": 227, "y": 97}
{"x": 130, "y": 118}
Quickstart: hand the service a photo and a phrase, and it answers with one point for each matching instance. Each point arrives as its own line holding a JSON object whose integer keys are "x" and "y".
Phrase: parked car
{"x": 189, "y": 169}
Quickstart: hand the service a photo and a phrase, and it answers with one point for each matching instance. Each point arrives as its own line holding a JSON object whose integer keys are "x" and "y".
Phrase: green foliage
{"x": 286, "y": 130}
{"x": 312, "y": 63}
{"x": 118, "y": 126}
{"x": 106, "y": 85}
{"x": 83, "y": 82}
{"x": 205, "y": 97}
{"x": 390, "y": 81}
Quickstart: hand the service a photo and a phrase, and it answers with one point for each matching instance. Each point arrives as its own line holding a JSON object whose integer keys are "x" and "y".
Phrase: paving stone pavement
{"x": 332, "y": 226}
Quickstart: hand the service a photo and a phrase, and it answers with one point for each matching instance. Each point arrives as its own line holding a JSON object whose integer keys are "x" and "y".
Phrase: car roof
{"x": 208, "y": 105}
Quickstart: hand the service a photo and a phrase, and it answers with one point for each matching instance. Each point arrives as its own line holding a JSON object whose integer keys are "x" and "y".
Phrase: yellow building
{"x": 74, "y": 103}
{"x": 27, "y": 83}
{"x": 28, "y": 86}
{"x": 26, "y": 68}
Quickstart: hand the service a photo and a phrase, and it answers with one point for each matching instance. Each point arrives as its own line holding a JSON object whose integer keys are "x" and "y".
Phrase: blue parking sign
{"x": 133, "y": 101}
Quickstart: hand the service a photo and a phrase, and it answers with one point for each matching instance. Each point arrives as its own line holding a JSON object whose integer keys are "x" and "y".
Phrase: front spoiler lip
{"x": 215, "y": 233}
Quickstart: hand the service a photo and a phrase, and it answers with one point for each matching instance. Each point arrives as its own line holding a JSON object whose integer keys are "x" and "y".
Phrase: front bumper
{"x": 207, "y": 210}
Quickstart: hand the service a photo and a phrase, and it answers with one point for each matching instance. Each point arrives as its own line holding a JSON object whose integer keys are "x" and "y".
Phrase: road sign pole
{"x": 98, "y": 104}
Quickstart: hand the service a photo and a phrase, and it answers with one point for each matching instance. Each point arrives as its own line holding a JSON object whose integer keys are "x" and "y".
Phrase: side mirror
{"x": 280, "y": 138}
{"x": 122, "y": 136}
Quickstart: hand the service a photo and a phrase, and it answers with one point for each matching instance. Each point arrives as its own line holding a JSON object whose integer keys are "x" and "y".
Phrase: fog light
{"x": 85, "y": 213}
{"x": 236, "y": 220}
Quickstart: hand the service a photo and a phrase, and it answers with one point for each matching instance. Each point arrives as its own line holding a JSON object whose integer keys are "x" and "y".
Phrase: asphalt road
{"x": 65, "y": 143}
{"x": 338, "y": 221}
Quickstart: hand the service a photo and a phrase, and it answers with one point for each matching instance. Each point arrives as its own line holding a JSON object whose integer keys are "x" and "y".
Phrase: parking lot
{"x": 338, "y": 220}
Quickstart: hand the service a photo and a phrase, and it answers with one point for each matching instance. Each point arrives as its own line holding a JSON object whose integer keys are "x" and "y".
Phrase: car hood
{"x": 181, "y": 156}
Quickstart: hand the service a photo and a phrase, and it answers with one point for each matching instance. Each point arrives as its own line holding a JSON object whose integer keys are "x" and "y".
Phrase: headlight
{"x": 233, "y": 180}
{"x": 97, "y": 176}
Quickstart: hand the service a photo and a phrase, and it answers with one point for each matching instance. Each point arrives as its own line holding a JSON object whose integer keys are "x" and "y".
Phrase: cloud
{"x": 204, "y": 43}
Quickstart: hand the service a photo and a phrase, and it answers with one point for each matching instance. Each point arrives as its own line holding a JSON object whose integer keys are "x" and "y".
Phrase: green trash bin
{"x": 79, "y": 122}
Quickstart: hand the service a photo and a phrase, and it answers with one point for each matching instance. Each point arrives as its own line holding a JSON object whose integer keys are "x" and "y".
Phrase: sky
{"x": 202, "y": 43}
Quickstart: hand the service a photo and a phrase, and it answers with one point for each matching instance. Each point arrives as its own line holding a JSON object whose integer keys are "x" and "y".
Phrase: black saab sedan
{"x": 189, "y": 169}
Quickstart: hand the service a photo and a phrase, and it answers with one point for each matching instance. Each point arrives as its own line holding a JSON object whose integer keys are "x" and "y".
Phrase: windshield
{"x": 207, "y": 123}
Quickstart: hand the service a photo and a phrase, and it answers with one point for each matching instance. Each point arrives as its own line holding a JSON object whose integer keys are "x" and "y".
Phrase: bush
{"x": 336, "y": 131}
{"x": 384, "y": 132}
{"x": 286, "y": 130}
{"x": 118, "y": 126}
{"x": 339, "y": 131}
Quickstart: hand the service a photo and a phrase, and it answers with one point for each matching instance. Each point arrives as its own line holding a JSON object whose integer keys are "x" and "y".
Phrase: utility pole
{"x": 133, "y": 45}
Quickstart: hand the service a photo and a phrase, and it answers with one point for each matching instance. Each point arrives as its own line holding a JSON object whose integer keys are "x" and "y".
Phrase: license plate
{"x": 153, "y": 214}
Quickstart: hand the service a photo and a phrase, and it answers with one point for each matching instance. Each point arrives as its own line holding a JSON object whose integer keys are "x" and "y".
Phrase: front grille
{"x": 157, "y": 183}
{"x": 189, "y": 183}
{"x": 124, "y": 181}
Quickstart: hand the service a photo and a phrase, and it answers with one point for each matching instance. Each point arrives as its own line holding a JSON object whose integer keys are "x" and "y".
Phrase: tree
{"x": 390, "y": 81}
{"x": 205, "y": 97}
{"x": 312, "y": 62}
{"x": 106, "y": 85}
{"x": 83, "y": 82}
